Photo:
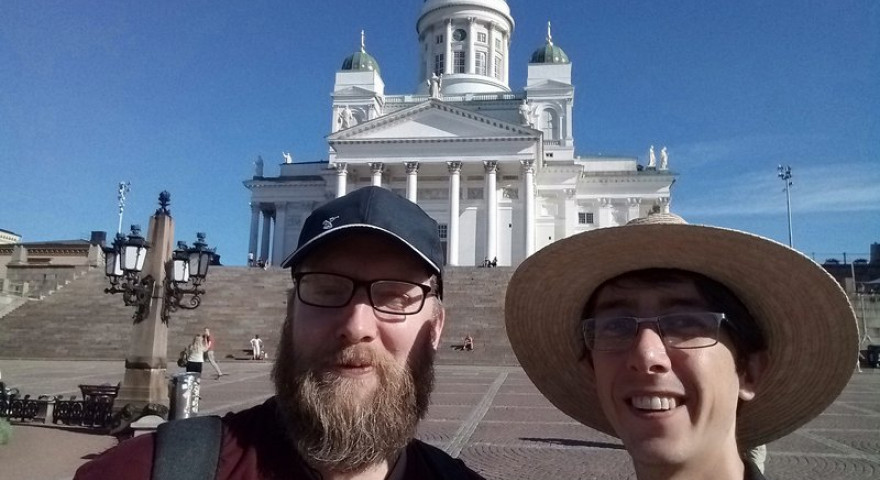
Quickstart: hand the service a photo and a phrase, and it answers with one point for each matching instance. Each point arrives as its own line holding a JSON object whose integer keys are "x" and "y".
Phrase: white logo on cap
{"x": 328, "y": 224}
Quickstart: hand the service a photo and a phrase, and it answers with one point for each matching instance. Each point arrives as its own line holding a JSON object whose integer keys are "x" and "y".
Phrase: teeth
{"x": 654, "y": 403}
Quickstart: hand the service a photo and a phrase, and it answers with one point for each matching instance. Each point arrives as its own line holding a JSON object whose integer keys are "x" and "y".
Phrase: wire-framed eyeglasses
{"x": 332, "y": 290}
{"x": 678, "y": 330}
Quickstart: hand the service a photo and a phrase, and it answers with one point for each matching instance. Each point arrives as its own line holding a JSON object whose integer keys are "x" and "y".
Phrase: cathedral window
{"x": 443, "y": 231}
{"x": 481, "y": 37}
{"x": 438, "y": 39}
{"x": 585, "y": 218}
{"x": 549, "y": 124}
{"x": 438, "y": 64}
{"x": 498, "y": 68}
{"x": 480, "y": 63}
{"x": 458, "y": 57}
{"x": 498, "y": 44}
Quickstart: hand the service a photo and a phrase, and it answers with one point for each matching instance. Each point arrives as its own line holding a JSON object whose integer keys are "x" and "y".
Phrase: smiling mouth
{"x": 655, "y": 403}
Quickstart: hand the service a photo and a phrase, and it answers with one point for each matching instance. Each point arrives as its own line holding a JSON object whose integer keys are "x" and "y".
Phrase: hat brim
{"x": 807, "y": 321}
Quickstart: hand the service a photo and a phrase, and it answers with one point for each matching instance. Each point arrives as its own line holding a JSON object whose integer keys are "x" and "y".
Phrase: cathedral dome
{"x": 549, "y": 53}
{"x": 361, "y": 61}
{"x": 497, "y": 5}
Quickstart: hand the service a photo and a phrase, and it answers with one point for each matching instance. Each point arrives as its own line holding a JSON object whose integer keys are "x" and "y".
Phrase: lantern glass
{"x": 112, "y": 267}
{"x": 180, "y": 270}
{"x": 133, "y": 256}
{"x": 198, "y": 263}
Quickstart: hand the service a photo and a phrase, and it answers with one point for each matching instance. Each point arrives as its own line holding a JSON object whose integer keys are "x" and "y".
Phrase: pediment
{"x": 431, "y": 121}
{"x": 354, "y": 91}
{"x": 549, "y": 84}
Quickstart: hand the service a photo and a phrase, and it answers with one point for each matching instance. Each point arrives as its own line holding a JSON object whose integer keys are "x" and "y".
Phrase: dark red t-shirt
{"x": 254, "y": 448}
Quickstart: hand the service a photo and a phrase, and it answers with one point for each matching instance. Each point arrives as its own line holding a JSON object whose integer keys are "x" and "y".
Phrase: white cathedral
{"x": 495, "y": 167}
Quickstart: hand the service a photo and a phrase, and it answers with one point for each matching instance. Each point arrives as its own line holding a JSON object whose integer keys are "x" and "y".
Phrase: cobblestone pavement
{"x": 492, "y": 417}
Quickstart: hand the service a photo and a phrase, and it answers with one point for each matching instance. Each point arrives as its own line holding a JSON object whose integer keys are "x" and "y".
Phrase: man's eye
{"x": 613, "y": 326}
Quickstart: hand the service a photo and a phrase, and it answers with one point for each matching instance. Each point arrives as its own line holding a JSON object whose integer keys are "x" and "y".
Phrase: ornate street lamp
{"x": 784, "y": 174}
{"x": 186, "y": 265}
{"x": 124, "y": 263}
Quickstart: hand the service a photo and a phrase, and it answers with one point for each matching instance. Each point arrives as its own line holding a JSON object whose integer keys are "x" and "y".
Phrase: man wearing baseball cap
{"x": 354, "y": 369}
{"x": 692, "y": 344}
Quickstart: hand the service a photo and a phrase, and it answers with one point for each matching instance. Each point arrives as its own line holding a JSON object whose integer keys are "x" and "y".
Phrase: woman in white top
{"x": 195, "y": 354}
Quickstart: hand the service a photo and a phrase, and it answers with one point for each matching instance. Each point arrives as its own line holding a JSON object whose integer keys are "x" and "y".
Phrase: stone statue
{"x": 434, "y": 84}
{"x": 664, "y": 159}
{"x": 652, "y": 160}
{"x": 288, "y": 158}
{"x": 346, "y": 118}
{"x": 258, "y": 167}
{"x": 525, "y": 115}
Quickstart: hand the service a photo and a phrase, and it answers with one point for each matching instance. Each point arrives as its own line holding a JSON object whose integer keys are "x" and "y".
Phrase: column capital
{"x": 491, "y": 166}
{"x": 340, "y": 167}
{"x": 634, "y": 201}
{"x": 528, "y": 166}
{"x": 411, "y": 167}
{"x": 454, "y": 167}
{"x": 605, "y": 202}
{"x": 471, "y": 20}
{"x": 570, "y": 192}
{"x": 377, "y": 167}
{"x": 663, "y": 201}
{"x": 449, "y": 21}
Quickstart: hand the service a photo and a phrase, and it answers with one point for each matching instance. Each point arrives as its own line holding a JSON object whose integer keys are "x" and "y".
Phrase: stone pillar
{"x": 146, "y": 361}
{"x": 528, "y": 173}
{"x": 412, "y": 176}
{"x": 454, "y": 195}
{"x": 606, "y": 213}
{"x": 471, "y": 55}
{"x": 279, "y": 250}
{"x": 255, "y": 229}
{"x": 491, "y": 168}
{"x": 664, "y": 204}
{"x": 447, "y": 56}
{"x": 376, "y": 168}
{"x": 632, "y": 204}
{"x": 267, "y": 227}
{"x": 341, "y": 177}
{"x": 19, "y": 255}
{"x": 490, "y": 62}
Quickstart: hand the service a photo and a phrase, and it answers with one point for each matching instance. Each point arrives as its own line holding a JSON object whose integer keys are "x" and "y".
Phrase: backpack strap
{"x": 187, "y": 449}
{"x": 443, "y": 465}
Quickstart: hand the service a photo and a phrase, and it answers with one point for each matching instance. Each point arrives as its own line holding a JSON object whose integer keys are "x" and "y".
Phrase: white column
{"x": 633, "y": 204}
{"x": 279, "y": 250}
{"x": 452, "y": 228}
{"x": 664, "y": 204}
{"x": 376, "y": 168}
{"x": 341, "y": 177}
{"x": 412, "y": 175}
{"x": 505, "y": 60}
{"x": 606, "y": 213}
{"x": 491, "y": 168}
{"x": 490, "y": 62}
{"x": 471, "y": 54}
{"x": 255, "y": 228}
{"x": 431, "y": 43}
{"x": 267, "y": 228}
{"x": 528, "y": 173}
{"x": 447, "y": 60}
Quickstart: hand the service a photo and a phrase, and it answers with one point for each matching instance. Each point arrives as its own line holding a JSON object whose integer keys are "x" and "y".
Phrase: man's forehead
{"x": 354, "y": 249}
{"x": 660, "y": 290}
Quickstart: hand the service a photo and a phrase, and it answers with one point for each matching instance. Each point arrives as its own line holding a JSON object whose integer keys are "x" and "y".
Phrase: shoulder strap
{"x": 187, "y": 449}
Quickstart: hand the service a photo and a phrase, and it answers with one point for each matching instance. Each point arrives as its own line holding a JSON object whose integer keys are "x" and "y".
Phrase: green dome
{"x": 549, "y": 53}
{"x": 359, "y": 61}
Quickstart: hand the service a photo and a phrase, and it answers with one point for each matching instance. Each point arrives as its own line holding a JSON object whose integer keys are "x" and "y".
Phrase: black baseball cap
{"x": 373, "y": 209}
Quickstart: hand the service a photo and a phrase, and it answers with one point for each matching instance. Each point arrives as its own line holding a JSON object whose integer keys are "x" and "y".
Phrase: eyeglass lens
{"x": 678, "y": 330}
{"x": 334, "y": 291}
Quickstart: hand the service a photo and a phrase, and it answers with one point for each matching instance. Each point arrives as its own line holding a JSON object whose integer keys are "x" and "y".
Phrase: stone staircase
{"x": 80, "y": 321}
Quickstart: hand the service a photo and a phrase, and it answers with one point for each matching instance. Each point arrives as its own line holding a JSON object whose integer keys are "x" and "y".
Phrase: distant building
{"x": 496, "y": 167}
{"x": 45, "y": 265}
{"x": 7, "y": 237}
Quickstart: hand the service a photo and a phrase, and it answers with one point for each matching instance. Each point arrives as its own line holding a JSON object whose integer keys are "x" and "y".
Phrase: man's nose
{"x": 359, "y": 322}
{"x": 648, "y": 353}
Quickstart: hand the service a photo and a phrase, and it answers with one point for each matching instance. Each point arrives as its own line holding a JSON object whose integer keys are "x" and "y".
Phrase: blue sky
{"x": 183, "y": 96}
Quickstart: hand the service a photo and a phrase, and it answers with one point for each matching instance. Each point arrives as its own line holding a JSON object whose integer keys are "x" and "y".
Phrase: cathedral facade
{"x": 496, "y": 167}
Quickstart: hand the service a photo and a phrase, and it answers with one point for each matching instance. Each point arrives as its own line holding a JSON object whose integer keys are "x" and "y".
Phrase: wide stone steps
{"x": 82, "y": 322}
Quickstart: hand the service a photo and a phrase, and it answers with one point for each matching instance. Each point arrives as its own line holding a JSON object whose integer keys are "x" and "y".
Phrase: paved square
{"x": 492, "y": 417}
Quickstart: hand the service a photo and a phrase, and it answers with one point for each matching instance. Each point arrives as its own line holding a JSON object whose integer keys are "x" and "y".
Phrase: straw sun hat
{"x": 807, "y": 321}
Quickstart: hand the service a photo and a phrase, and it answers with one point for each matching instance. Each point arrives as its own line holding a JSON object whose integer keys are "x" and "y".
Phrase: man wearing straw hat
{"x": 690, "y": 343}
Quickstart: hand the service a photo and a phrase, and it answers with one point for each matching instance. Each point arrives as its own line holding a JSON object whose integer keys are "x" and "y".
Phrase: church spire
{"x": 363, "y": 45}
{"x": 549, "y": 37}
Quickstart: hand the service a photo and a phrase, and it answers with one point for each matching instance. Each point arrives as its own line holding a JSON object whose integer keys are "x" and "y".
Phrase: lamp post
{"x": 784, "y": 173}
{"x": 156, "y": 281}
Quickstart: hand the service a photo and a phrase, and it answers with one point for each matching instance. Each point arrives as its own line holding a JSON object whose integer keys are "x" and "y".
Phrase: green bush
{"x": 5, "y": 431}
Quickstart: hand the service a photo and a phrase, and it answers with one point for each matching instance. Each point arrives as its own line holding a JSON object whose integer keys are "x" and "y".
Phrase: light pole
{"x": 784, "y": 173}
{"x": 154, "y": 280}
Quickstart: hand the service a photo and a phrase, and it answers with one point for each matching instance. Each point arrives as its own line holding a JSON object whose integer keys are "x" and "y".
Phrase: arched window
{"x": 480, "y": 63}
{"x": 550, "y": 124}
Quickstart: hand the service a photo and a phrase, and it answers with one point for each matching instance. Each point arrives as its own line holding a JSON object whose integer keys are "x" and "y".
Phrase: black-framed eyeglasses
{"x": 332, "y": 290}
{"x": 678, "y": 330}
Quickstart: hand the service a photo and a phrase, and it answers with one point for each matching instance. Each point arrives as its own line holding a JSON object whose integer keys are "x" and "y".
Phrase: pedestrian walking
{"x": 209, "y": 353}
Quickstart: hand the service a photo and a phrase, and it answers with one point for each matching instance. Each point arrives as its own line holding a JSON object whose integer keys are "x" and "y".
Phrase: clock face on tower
{"x": 459, "y": 35}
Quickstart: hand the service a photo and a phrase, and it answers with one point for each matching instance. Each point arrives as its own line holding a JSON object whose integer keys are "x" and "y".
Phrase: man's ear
{"x": 751, "y": 375}
{"x": 437, "y": 326}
